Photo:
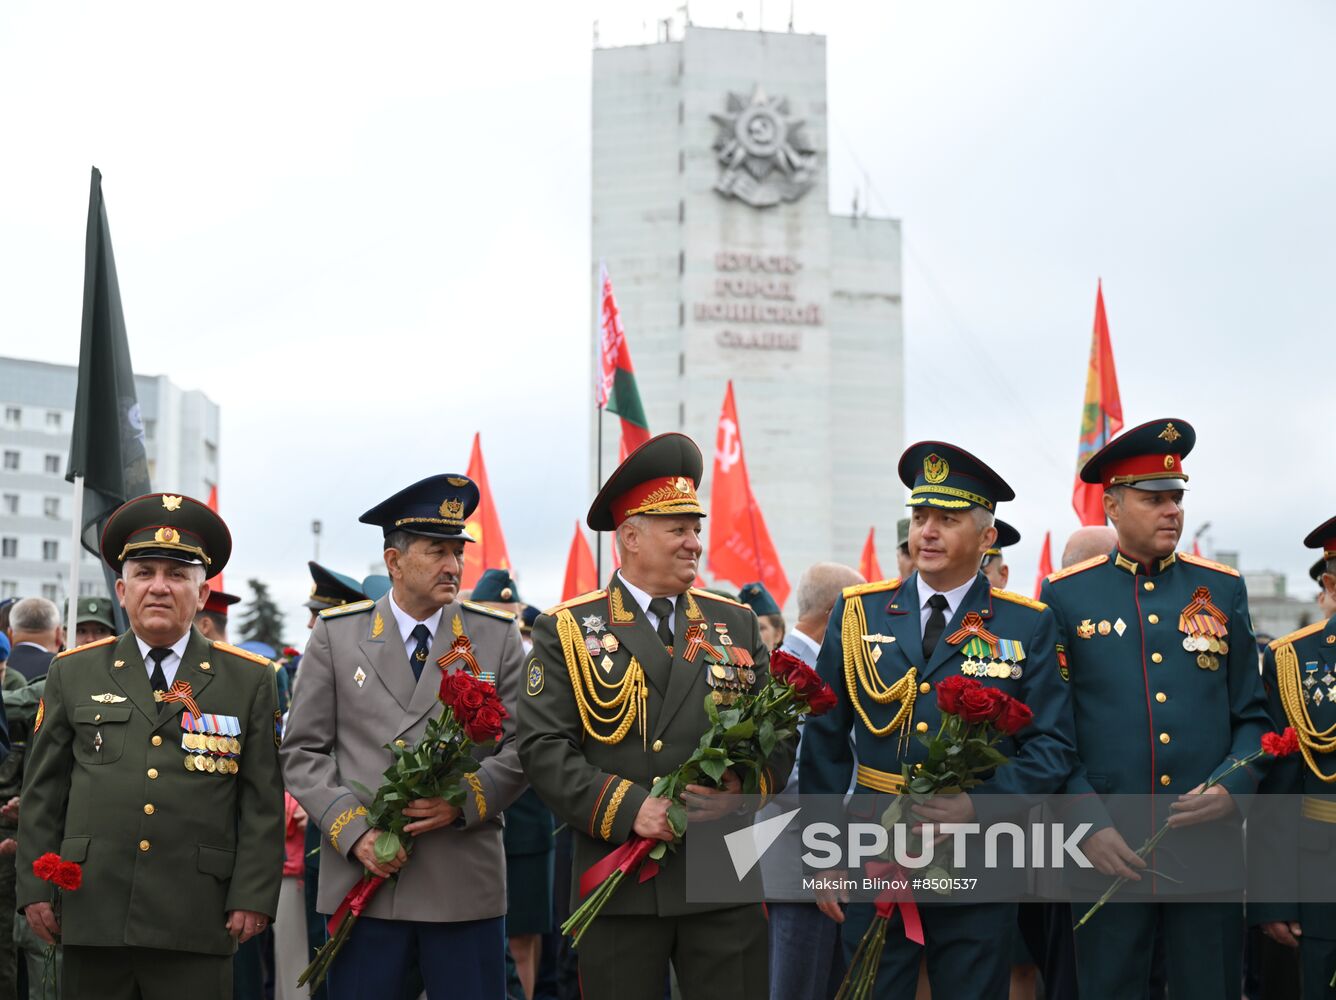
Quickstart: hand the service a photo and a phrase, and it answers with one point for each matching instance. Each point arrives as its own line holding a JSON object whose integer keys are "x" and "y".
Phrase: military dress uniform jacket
{"x": 166, "y": 851}
{"x": 1026, "y": 667}
{"x": 597, "y": 785}
{"x": 1152, "y": 716}
{"x": 356, "y": 693}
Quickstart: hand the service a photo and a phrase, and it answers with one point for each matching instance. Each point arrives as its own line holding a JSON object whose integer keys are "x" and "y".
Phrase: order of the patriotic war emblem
{"x": 764, "y": 154}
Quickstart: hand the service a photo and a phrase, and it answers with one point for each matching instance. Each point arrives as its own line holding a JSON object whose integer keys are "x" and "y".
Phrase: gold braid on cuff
{"x": 605, "y": 828}
{"x": 345, "y": 817}
{"x": 479, "y": 800}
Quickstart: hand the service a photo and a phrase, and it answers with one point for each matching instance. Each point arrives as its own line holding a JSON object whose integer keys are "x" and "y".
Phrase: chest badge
{"x": 109, "y": 698}
{"x": 1086, "y": 630}
{"x": 359, "y": 678}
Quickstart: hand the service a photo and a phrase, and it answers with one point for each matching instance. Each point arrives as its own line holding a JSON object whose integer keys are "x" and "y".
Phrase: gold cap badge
{"x": 171, "y": 502}
{"x": 935, "y": 469}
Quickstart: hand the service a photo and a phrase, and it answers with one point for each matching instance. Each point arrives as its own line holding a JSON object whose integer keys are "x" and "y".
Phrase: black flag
{"x": 107, "y": 446}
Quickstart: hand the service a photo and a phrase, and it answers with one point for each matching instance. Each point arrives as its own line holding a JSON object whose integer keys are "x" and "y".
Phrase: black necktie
{"x": 663, "y": 608}
{"x": 936, "y": 625}
{"x": 158, "y": 678}
{"x": 419, "y": 658}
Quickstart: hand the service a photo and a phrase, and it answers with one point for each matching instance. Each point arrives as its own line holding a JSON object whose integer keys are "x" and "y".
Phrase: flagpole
{"x": 76, "y": 556}
{"x": 598, "y": 485}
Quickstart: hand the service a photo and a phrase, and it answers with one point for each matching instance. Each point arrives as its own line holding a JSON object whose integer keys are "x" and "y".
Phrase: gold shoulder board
{"x": 593, "y": 595}
{"x": 87, "y": 646}
{"x": 1080, "y": 567}
{"x": 716, "y": 597}
{"x": 875, "y": 587}
{"x": 483, "y": 609}
{"x": 1015, "y": 598}
{"x": 348, "y": 609}
{"x": 1188, "y": 557}
{"x": 1303, "y": 633}
{"x": 245, "y": 654}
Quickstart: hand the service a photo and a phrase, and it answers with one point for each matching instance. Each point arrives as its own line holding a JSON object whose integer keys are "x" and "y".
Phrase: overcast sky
{"x": 364, "y": 232}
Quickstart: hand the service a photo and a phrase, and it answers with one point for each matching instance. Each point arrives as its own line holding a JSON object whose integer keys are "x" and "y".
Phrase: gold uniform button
{"x": 152, "y": 772}
{"x": 1165, "y": 779}
{"x": 156, "y": 741}
{"x": 925, "y": 687}
{"x": 1164, "y": 737}
{"x": 98, "y": 717}
{"x": 657, "y": 745}
{"x": 1161, "y": 697}
{"x": 1156, "y": 658}
{"x": 144, "y": 845}
{"x": 148, "y": 808}
{"x": 1149, "y": 585}
{"x": 922, "y": 727}
{"x": 1153, "y": 619}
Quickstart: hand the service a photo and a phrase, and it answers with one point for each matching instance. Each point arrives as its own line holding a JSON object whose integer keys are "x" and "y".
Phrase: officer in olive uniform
{"x": 1159, "y": 649}
{"x": 943, "y": 621}
{"x": 154, "y": 765}
{"x": 759, "y": 599}
{"x": 93, "y": 620}
{"x": 1299, "y": 675}
{"x": 630, "y": 642}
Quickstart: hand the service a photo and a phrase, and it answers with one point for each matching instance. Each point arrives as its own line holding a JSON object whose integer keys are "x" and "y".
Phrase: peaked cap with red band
{"x": 219, "y": 601}
{"x": 1148, "y": 457}
{"x": 1323, "y": 537}
{"x": 660, "y": 478}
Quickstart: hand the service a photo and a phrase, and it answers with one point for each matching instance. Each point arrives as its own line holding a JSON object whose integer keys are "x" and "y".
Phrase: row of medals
{"x": 1208, "y": 648}
{"x": 1313, "y": 686}
{"x": 991, "y": 668}
{"x": 727, "y": 681}
{"x": 198, "y": 744}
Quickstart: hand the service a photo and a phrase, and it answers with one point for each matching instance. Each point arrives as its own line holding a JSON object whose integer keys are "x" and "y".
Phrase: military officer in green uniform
{"x": 629, "y": 645}
{"x": 154, "y": 765}
{"x": 945, "y": 620}
{"x": 1299, "y": 675}
{"x": 1160, "y": 654}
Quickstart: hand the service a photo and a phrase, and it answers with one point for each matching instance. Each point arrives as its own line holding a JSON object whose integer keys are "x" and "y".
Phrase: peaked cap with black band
{"x": 330, "y": 589}
{"x": 166, "y": 526}
{"x": 1322, "y": 537}
{"x": 1006, "y": 535}
{"x": 950, "y": 478}
{"x": 435, "y": 507}
{"x": 660, "y": 478}
{"x": 496, "y": 585}
{"x": 1148, "y": 457}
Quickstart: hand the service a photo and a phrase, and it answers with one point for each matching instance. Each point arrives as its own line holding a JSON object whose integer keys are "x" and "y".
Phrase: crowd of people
{"x": 216, "y": 798}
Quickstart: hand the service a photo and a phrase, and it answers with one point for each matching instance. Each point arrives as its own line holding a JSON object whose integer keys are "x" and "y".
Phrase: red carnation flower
{"x": 1013, "y": 717}
{"x": 950, "y": 691}
{"x": 46, "y": 866}
{"x": 1281, "y": 744}
{"x": 68, "y": 876}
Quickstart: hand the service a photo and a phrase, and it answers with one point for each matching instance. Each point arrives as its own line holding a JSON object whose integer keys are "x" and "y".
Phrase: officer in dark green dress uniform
{"x": 635, "y": 645}
{"x": 154, "y": 765}
{"x": 1299, "y": 674}
{"x": 1160, "y": 653}
{"x": 943, "y": 621}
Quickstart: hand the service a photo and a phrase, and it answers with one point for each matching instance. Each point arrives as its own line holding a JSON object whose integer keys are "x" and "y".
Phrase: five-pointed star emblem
{"x": 592, "y": 624}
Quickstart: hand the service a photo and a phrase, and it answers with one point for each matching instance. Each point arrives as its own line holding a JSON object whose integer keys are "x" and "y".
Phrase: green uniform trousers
{"x": 1317, "y": 963}
{"x": 721, "y": 954}
{"x": 1203, "y": 948}
{"x": 144, "y": 974}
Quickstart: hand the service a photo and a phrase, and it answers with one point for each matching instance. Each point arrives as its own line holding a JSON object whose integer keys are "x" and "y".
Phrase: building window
{"x": 53, "y": 420}
{"x": 11, "y": 503}
{"x": 13, "y": 416}
{"x": 53, "y": 465}
{"x": 50, "y": 550}
{"x": 49, "y": 592}
{"x": 9, "y": 548}
{"x": 11, "y": 460}
{"x": 51, "y": 506}
{"x": 90, "y": 588}
{"x": 9, "y": 588}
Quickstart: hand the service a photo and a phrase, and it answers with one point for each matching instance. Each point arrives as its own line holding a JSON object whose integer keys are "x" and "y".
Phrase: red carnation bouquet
{"x": 440, "y": 765}
{"x": 742, "y": 736}
{"x": 975, "y": 718}
{"x": 66, "y": 876}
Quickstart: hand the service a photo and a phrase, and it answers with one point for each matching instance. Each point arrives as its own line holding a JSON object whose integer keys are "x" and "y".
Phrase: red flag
{"x": 488, "y": 550}
{"x": 215, "y": 583}
{"x": 1101, "y": 415}
{"x": 740, "y": 547}
{"x": 581, "y": 577}
{"x": 616, "y": 390}
{"x": 1045, "y": 563}
{"x": 868, "y": 565}
{"x": 1196, "y": 549}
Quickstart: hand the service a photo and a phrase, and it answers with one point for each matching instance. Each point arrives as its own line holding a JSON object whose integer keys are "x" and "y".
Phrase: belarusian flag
{"x": 1101, "y": 415}
{"x": 616, "y": 390}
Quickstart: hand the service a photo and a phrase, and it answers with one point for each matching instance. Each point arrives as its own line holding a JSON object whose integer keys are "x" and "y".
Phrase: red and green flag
{"x": 616, "y": 391}
{"x": 1101, "y": 416}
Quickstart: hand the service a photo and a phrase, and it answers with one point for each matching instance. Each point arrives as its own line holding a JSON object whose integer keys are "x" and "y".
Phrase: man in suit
{"x": 595, "y": 765}
{"x": 944, "y": 621}
{"x": 806, "y": 956}
{"x": 370, "y": 676}
{"x": 154, "y": 765}
{"x": 1166, "y": 695}
{"x": 36, "y": 635}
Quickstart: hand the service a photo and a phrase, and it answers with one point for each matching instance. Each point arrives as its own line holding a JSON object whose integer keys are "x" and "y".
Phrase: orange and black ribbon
{"x": 1201, "y": 617}
{"x": 180, "y": 692}
{"x": 460, "y": 649}
{"x": 972, "y": 626}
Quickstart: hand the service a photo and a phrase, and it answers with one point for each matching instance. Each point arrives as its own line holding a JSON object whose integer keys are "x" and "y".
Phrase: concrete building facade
{"x": 710, "y": 210}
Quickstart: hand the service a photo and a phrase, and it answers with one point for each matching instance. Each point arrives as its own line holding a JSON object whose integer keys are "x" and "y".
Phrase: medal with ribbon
{"x": 1206, "y": 629}
{"x": 980, "y": 645}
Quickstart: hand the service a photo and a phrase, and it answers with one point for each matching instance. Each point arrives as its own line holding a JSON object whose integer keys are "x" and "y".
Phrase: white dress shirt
{"x": 643, "y": 600}
{"x": 169, "y": 662}
{"x": 407, "y": 623}
{"x": 953, "y": 599}
{"x": 800, "y": 637}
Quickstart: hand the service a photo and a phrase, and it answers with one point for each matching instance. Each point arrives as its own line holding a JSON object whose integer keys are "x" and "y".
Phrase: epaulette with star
{"x": 1080, "y": 567}
{"x": 245, "y": 654}
{"x": 483, "y": 609}
{"x": 347, "y": 609}
{"x": 875, "y": 587}
{"x": 1302, "y": 633}
{"x": 593, "y": 595}
{"x": 1219, "y": 567}
{"x": 698, "y": 592}
{"x": 1015, "y": 598}
{"x": 85, "y": 647}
